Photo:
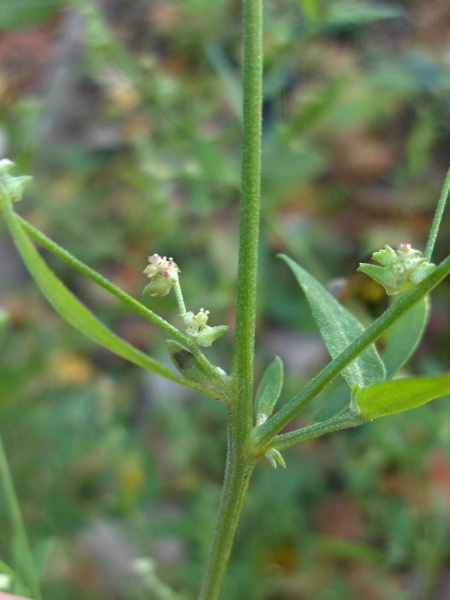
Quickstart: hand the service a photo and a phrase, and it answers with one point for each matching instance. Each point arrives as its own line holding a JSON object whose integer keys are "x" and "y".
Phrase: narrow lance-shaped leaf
{"x": 403, "y": 337}
{"x": 71, "y": 309}
{"x": 395, "y": 396}
{"x": 269, "y": 390}
{"x": 338, "y": 328}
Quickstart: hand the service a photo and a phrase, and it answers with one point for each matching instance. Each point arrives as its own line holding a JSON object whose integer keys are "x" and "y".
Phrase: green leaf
{"x": 186, "y": 362}
{"x": 70, "y": 308}
{"x": 338, "y": 329}
{"x": 348, "y": 15}
{"x": 404, "y": 336}
{"x": 190, "y": 367}
{"x": 269, "y": 390}
{"x": 401, "y": 394}
{"x": 20, "y": 14}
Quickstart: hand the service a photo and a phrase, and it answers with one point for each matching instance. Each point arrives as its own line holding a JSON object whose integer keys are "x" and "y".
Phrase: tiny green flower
{"x": 11, "y": 188}
{"x": 163, "y": 273}
{"x": 196, "y": 328}
{"x": 401, "y": 269}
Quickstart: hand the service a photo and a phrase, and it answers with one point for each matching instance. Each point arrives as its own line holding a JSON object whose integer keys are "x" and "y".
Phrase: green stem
{"x": 437, "y": 217}
{"x": 26, "y": 564}
{"x": 240, "y": 462}
{"x": 244, "y": 343}
{"x": 238, "y": 470}
{"x": 138, "y": 307}
{"x": 301, "y": 436}
{"x": 77, "y": 264}
{"x": 179, "y": 297}
{"x": 263, "y": 436}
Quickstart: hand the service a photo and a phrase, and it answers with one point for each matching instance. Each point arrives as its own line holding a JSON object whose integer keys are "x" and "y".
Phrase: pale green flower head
{"x": 401, "y": 269}
{"x": 196, "y": 328}
{"x": 163, "y": 273}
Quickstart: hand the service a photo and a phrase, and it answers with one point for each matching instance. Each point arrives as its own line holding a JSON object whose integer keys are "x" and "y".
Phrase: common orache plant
{"x": 254, "y": 430}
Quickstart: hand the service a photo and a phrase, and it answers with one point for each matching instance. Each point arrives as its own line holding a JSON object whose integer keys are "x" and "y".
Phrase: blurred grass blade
{"x": 72, "y": 310}
{"x": 338, "y": 329}
{"x": 231, "y": 82}
{"x": 345, "y": 15}
{"x": 269, "y": 390}
{"x": 404, "y": 336}
{"x": 24, "y": 563}
{"x": 402, "y": 394}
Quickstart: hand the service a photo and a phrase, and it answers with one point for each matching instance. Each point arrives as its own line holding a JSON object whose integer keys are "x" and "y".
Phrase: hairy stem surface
{"x": 237, "y": 475}
{"x": 240, "y": 461}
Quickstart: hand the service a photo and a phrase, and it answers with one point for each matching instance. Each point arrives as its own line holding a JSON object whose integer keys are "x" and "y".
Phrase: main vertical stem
{"x": 240, "y": 461}
{"x": 244, "y": 344}
{"x": 237, "y": 475}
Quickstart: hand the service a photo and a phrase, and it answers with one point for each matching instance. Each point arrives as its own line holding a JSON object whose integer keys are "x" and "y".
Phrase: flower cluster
{"x": 402, "y": 268}
{"x": 193, "y": 324}
{"x": 196, "y": 328}
{"x": 163, "y": 273}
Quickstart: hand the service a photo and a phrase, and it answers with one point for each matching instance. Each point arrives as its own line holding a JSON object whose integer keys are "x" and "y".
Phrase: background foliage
{"x": 132, "y": 132}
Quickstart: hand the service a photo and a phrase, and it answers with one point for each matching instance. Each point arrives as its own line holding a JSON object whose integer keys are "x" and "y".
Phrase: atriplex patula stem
{"x": 239, "y": 462}
{"x": 243, "y": 355}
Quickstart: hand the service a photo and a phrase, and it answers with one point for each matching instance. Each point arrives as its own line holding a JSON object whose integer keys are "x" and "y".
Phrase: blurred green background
{"x": 127, "y": 113}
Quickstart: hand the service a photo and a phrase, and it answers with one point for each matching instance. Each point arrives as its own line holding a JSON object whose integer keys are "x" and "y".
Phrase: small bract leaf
{"x": 185, "y": 362}
{"x": 158, "y": 286}
{"x": 401, "y": 394}
{"x": 207, "y": 335}
{"x": 269, "y": 390}
{"x": 274, "y": 457}
{"x": 338, "y": 328}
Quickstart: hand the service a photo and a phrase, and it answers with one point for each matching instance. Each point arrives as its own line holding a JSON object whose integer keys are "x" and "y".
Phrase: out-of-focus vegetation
{"x": 128, "y": 115}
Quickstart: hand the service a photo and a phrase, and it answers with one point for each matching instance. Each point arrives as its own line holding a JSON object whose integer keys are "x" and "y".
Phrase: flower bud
{"x": 11, "y": 188}
{"x": 274, "y": 457}
{"x": 163, "y": 273}
{"x": 196, "y": 328}
{"x": 401, "y": 269}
